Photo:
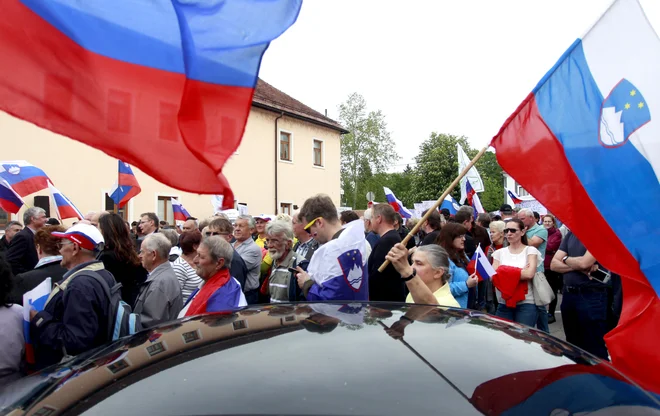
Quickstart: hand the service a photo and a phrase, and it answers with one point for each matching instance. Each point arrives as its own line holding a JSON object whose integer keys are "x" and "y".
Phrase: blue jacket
{"x": 75, "y": 319}
{"x": 458, "y": 284}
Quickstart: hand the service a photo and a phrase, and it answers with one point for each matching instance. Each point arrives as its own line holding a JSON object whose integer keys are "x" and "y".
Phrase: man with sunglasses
{"x": 251, "y": 254}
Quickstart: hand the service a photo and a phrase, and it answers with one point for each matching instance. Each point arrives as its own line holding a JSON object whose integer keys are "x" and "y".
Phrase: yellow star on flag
{"x": 633, "y": 93}
{"x": 640, "y": 105}
{"x": 627, "y": 106}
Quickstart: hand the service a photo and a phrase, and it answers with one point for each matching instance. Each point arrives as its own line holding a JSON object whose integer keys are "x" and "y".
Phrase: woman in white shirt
{"x": 12, "y": 342}
{"x": 518, "y": 254}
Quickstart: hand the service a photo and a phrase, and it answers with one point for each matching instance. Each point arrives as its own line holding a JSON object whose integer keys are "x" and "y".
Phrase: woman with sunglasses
{"x": 518, "y": 254}
{"x": 452, "y": 239}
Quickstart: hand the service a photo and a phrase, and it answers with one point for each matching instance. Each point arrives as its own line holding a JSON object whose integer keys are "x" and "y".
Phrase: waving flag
{"x": 450, "y": 204}
{"x": 472, "y": 175}
{"x": 180, "y": 213}
{"x": 514, "y": 197}
{"x": 126, "y": 187}
{"x": 178, "y": 88}
{"x": 594, "y": 121}
{"x": 23, "y": 177}
{"x": 479, "y": 264}
{"x": 339, "y": 267}
{"x": 396, "y": 204}
{"x": 473, "y": 199}
{"x": 65, "y": 209}
{"x": 10, "y": 201}
{"x": 34, "y": 299}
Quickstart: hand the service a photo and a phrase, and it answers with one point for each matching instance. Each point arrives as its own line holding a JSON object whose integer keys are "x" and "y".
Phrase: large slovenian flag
{"x": 23, "y": 177}
{"x": 173, "y": 79}
{"x": 34, "y": 299}
{"x": 396, "y": 204}
{"x": 480, "y": 265}
{"x": 473, "y": 199}
{"x": 10, "y": 201}
{"x": 594, "y": 120}
{"x": 126, "y": 187}
{"x": 180, "y": 213}
{"x": 65, "y": 208}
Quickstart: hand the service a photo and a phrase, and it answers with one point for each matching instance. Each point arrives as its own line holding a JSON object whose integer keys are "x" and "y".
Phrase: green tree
{"x": 366, "y": 151}
{"x": 491, "y": 173}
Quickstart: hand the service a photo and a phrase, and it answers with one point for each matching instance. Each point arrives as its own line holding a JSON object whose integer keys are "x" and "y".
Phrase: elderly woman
{"x": 496, "y": 229}
{"x": 430, "y": 267}
{"x": 218, "y": 291}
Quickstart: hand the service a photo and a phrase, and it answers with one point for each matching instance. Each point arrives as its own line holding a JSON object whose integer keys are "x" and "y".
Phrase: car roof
{"x": 332, "y": 358}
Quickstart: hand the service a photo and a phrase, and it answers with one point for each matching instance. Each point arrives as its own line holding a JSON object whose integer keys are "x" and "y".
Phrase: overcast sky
{"x": 458, "y": 67}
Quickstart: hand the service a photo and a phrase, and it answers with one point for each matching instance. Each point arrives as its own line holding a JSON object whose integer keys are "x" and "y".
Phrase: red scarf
{"x": 198, "y": 304}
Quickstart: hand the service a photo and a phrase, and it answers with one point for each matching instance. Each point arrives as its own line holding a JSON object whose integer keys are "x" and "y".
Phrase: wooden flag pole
{"x": 435, "y": 206}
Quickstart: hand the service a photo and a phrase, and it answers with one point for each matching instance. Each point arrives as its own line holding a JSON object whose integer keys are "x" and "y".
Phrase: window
{"x": 522, "y": 191}
{"x": 191, "y": 336}
{"x": 118, "y": 366}
{"x": 285, "y": 146}
{"x": 156, "y": 349}
{"x": 119, "y": 111}
{"x": 111, "y": 207}
{"x": 285, "y": 208}
{"x": 165, "y": 209}
{"x": 318, "y": 153}
{"x": 242, "y": 324}
{"x": 168, "y": 129}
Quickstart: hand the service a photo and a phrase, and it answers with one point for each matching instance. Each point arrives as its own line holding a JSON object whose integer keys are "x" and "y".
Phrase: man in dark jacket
{"x": 48, "y": 265}
{"x": 388, "y": 285}
{"x": 12, "y": 228}
{"x": 22, "y": 253}
{"x": 76, "y": 316}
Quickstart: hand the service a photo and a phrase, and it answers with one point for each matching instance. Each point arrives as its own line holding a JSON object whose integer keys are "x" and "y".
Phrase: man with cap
{"x": 507, "y": 212}
{"x": 75, "y": 316}
{"x": 260, "y": 227}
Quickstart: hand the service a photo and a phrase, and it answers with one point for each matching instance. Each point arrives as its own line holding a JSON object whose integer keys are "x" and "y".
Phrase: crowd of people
{"x": 164, "y": 272}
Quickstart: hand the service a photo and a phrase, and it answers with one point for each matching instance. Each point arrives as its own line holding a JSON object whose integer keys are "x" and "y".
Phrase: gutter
{"x": 277, "y": 156}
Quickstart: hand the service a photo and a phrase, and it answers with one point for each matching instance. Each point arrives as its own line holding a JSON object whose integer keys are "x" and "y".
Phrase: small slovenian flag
{"x": 126, "y": 186}
{"x": 180, "y": 213}
{"x": 480, "y": 265}
{"x": 10, "y": 201}
{"x": 34, "y": 299}
{"x": 23, "y": 177}
{"x": 450, "y": 204}
{"x": 65, "y": 208}
{"x": 515, "y": 198}
{"x": 396, "y": 204}
{"x": 473, "y": 199}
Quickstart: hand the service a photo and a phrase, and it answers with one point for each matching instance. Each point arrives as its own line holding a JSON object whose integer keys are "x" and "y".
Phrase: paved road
{"x": 557, "y": 329}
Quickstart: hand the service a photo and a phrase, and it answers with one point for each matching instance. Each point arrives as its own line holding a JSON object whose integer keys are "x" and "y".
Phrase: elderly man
{"x": 189, "y": 225}
{"x": 386, "y": 285}
{"x": 75, "y": 317}
{"x": 260, "y": 222}
{"x": 250, "y": 253}
{"x": 160, "y": 298}
{"x": 219, "y": 291}
{"x": 282, "y": 283}
{"x": 306, "y": 245}
{"x": 238, "y": 269}
{"x": 12, "y": 228}
{"x": 22, "y": 253}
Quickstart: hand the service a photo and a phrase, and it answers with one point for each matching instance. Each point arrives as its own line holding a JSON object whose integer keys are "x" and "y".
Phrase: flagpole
{"x": 435, "y": 206}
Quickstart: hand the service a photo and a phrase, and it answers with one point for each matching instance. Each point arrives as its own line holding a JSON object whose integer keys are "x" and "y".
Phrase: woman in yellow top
{"x": 428, "y": 277}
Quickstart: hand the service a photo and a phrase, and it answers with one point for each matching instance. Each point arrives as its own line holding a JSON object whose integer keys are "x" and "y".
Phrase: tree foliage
{"x": 366, "y": 151}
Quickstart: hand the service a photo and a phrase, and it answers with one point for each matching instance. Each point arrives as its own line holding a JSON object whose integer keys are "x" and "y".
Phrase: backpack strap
{"x": 94, "y": 267}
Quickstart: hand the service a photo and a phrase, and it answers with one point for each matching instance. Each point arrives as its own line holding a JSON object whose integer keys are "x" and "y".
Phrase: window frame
{"x": 165, "y": 197}
{"x": 322, "y": 141}
{"x": 287, "y": 204}
{"x": 279, "y": 146}
{"x": 124, "y": 212}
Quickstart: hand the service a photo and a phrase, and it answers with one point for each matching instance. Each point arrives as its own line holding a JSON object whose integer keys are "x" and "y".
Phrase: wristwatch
{"x": 414, "y": 273}
{"x": 564, "y": 259}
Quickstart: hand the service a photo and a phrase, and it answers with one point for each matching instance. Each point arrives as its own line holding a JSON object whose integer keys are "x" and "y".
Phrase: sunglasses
{"x": 309, "y": 225}
{"x": 510, "y": 230}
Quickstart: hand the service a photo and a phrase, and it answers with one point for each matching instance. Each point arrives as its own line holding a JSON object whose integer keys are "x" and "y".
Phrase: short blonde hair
{"x": 497, "y": 226}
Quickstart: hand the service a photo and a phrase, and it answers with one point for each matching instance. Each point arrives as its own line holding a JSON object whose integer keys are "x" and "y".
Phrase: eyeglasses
{"x": 510, "y": 230}
{"x": 309, "y": 225}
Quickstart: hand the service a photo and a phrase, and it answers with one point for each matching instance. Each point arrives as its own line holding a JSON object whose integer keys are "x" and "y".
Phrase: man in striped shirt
{"x": 282, "y": 284}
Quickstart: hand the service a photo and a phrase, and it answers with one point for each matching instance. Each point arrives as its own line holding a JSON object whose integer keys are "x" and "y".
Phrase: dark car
{"x": 333, "y": 359}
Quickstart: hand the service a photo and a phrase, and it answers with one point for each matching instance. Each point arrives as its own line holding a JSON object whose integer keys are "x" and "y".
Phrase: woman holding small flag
{"x": 452, "y": 239}
{"x": 516, "y": 267}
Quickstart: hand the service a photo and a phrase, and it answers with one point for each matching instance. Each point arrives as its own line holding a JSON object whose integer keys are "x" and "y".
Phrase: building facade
{"x": 288, "y": 153}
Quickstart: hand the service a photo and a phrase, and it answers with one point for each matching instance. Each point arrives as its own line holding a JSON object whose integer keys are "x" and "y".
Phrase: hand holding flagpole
{"x": 435, "y": 206}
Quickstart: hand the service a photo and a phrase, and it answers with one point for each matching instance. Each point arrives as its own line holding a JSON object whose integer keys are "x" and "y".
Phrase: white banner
{"x": 472, "y": 175}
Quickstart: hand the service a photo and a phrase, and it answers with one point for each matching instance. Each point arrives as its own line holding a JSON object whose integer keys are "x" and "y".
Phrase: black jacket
{"x": 386, "y": 286}
{"x": 131, "y": 277}
{"x": 4, "y": 245}
{"x": 27, "y": 281}
{"x": 75, "y": 320}
{"x": 22, "y": 253}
